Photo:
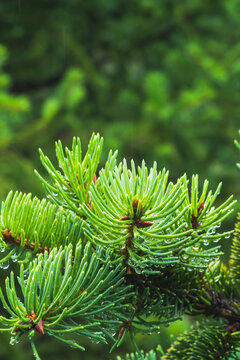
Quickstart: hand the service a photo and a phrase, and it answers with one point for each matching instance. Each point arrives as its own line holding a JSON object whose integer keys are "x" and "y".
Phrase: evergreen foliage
{"x": 118, "y": 250}
{"x": 204, "y": 343}
{"x": 235, "y": 260}
{"x": 151, "y": 355}
{"x": 71, "y": 188}
{"x": 36, "y": 225}
{"x": 66, "y": 292}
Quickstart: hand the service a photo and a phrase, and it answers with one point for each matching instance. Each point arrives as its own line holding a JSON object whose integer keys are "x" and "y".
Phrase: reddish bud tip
{"x": 121, "y": 332}
{"x": 39, "y": 327}
{"x": 145, "y": 224}
{"x": 124, "y": 218}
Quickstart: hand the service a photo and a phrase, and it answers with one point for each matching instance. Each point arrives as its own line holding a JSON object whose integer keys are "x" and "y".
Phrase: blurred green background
{"x": 160, "y": 80}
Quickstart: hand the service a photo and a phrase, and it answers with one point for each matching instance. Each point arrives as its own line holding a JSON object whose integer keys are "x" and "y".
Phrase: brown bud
{"x": 40, "y": 327}
{"x": 121, "y": 332}
{"x": 17, "y": 329}
{"x": 124, "y": 218}
{"x": 144, "y": 224}
{"x": 201, "y": 206}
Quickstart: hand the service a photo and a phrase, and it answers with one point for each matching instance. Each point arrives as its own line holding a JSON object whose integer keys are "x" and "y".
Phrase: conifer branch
{"x": 152, "y": 223}
{"x": 69, "y": 187}
{"x": 208, "y": 342}
{"x": 151, "y": 355}
{"x": 115, "y": 247}
{"x": 36, "y": 225}
{"x": 235, "y": 251}
{"x": 61, "y": 295}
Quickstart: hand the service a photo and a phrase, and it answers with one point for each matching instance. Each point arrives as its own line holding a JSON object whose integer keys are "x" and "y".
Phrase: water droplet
{"x": 95, "y": 341}
{"x": 14, "y": 340}
{"x": 4, "y": 265}
{"x": 162, "y": 266}
{"x": 138, "y": 270}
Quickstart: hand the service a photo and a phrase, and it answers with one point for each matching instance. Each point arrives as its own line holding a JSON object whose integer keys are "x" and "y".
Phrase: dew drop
{"x": 4, "y": 265}
{"x": 138, "y": 270}
{"x": 95, "y": 341}
{"x": 2, "y": 249}
{"x": 13, "y": 340}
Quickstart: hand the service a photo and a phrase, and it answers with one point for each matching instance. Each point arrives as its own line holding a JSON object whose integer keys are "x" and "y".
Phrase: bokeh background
{"x": 160, "y": 80}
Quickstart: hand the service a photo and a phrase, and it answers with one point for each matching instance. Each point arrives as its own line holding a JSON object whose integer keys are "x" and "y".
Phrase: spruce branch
{"x": 207, "y": 342}
{"x": 69, "y": 187}
{"x": 61, "y": 295}
{"x": 151, "y": 355}
{"x": 115, "y": 247}
{"x": 153, "y": 223}
{"x": 235, "y": 252}
{"x": 31, "y": 224}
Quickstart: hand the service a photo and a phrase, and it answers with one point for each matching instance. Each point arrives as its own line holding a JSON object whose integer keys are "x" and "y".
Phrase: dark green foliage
{"x": 161, "y": 81}
{"x": 158, "y": 80}
{"x": 13, "y": 108}
{"x": 235, "y": 251}
{"x": 205, "y": 343}
{"x": 117, "y": 247}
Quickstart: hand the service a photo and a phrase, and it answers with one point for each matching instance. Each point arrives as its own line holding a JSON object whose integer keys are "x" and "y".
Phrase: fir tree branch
{"x": 36, "y": 225}
{"x": 60, "y": 292}
{"x": 70, "y": 186}
{"x": 235, "y": 252}
{"x": 151, "y": 355}
{"x": 115, "y": 248}
{"x": 153, "y": 223}
{"x": 205, "y": 343}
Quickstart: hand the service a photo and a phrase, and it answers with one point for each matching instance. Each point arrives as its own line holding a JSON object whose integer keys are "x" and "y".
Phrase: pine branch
{"x": 35, "y": 225}
{"x": 235, "y": 252}
{"x": 218, "y": 296}
{"x": 69, "y": 187}
{"x": 152, "y": 223}
{"x": 61, "y": 295}
{"x": 205, "y": 343}
{"x": 135, "y": 211}
{"x": 151, "y": 355}
{"x": 115, "y": 248}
